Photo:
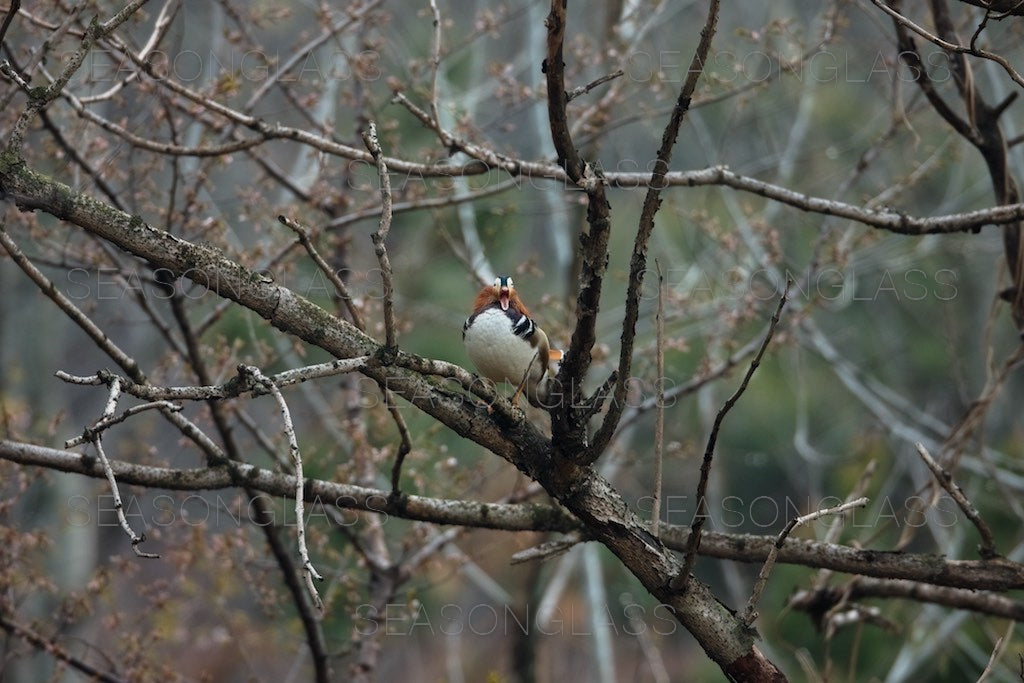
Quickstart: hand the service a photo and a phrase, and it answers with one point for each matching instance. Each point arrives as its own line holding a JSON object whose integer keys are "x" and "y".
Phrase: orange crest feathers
{"x": 490, "y": 294}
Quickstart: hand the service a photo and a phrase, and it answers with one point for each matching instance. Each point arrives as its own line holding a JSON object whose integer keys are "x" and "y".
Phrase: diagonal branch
{"x": 339, "y": 285}
{"x": 583, "y": 491}
{"x": 105, "y": 423}
{"x": 988, "y": 544}
{"x": 12, "y": 10}
{"x": 693, "y": 543}
{"x": 49, "y": 646}
{"x": 47, "y": 287}
{"x": 638, "y": 262}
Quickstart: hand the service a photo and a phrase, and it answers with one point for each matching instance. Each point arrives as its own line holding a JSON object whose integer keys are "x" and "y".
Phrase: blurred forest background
{"x": 888, "y": 340}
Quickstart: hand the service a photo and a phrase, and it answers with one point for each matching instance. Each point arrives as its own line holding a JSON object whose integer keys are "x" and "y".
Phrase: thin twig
{"x": 652, "y": 651}
{"x": 584, "y": 89}
{"x": 435, "y": 67}
{"x": 749, "y": 615}
{"x": 339, "y": 285}
{"x": 419, "y": 204}
{"x": 164, "y": 20}
{"x": 997, "y": 650}
{"x": 832, "y": 535}
{"x": 404, "y": 446}
{"x": 659, "y": 415}
{"x": 56, "y": 651}
{"x": 309, "y": 572}
{"x": 987, "y": 550}
{"x": 379, "y": 237}
{"x": 547, "y": 549}
{"x": 380, "y": 248}
{"x": 977, "y": 600}
{"x": 462, "y": 257}
{"x": 693, "y": 542}
{"x": 231, "y": 389}
{"x": 40, "y": 99}
{"x": 47, "y": 287}
{"x": 97, "y": 442}
{"x": 105, "y": 423}
{"x": 119, "y": 506}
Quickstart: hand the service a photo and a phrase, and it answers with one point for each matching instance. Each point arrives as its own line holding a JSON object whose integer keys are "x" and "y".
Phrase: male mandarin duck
{"x": 506, "y": 345}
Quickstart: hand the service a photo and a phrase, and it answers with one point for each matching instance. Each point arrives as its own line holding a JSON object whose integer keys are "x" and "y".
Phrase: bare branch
{"x": 435, "y": 67}
{"x": 424, "y": 203}
{"x": 47, "y": 287}
{"x": 569, "y": 429}
{"x": 584, "y": 89}
{"x": 548, "y": 549}
{"x": 309, "y": 572}
{"x": 330, "y": 273}
{"x": 997, "y": 651}
{"x": 749, "y": 614}
{"x": 107, "y": 422}
{"x": 405, "y": 439}
{"x": 231, "y": 389}
{"x": 681, "y": 579}
{"x": 380, "y": 236}
{"x": 638, "y": 262}
{"x": 41, "y": 98}
{"x": 53, "y": 649}
{"x": 823, "y": 598}
{"x": 97, "y": 442}
{"x": 988, "y": 545}
{"x": 999, "y": 575}
{"x": 659, "y": 397}
{"x": 1005, "y": 8}
{"x": 12, "y": 10}
{"x": 951, "y": 47}
{"x": 836, "y": 528}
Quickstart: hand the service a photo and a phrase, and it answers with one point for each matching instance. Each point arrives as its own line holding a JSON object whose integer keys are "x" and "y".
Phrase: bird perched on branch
{"x": 506, "y": 345}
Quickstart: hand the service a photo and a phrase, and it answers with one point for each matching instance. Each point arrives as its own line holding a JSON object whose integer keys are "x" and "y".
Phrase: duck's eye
{"x": 497, "y": 282}
{"x": 508, "y": 282}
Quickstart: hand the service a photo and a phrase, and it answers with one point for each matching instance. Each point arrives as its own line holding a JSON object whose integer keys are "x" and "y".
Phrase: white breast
{"x": 498, "y": 354}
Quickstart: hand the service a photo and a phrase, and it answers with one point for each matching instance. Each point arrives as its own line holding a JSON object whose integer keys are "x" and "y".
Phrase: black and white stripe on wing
{"x": 523, "y": 327}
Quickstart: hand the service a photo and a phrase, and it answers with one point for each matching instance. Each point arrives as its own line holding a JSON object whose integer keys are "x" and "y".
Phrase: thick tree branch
{"x": 568, "y": 427}
{"x": 998, "y": 575}
{"x": 817, "y": 601}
